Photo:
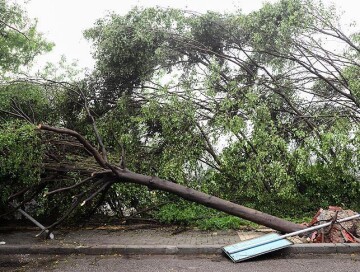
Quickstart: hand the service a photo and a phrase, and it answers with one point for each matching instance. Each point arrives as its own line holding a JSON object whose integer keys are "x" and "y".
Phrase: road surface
{"x": 204, "y": 263}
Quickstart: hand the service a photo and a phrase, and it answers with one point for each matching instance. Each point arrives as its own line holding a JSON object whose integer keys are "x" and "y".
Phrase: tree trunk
{"x": 209, "y": 201}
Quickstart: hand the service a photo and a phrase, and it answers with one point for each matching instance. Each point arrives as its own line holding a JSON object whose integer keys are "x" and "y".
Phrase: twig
{"x": 97, "y": 192}
{"x": 14, "y": 28}
{"x": 80, "y": 138}
{"x": 97, "y": 134}
{"x": 70, "y": 187}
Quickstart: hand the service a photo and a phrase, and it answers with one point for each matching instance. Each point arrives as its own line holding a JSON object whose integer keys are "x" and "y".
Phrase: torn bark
{"x": 124, "y": 175}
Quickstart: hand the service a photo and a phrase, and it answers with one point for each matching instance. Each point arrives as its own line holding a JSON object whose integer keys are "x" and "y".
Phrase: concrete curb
{"x": 168, "y": 250}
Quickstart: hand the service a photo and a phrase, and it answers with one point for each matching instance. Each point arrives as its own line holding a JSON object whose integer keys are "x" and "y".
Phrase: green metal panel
{"x": 255, "y": 247}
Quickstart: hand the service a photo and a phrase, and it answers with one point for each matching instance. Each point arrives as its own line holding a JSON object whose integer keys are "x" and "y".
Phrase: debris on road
{"x": 345, "y": 232}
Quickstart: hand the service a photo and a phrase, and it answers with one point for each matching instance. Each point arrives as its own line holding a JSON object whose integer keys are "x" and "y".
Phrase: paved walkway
{"x": 117, "y": 240}
{"x": 113, "y": 236}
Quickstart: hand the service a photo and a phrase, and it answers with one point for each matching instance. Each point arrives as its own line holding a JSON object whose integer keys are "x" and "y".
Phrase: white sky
{"x": 63, "y": 21}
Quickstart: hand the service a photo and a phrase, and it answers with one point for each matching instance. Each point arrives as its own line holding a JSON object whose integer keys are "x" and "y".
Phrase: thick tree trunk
{"x": 125, "y": 175}
{"x": 209, "y": 201}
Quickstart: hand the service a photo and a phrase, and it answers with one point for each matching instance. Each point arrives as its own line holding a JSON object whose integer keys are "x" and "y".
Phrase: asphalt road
{"x": 313, "y": 263}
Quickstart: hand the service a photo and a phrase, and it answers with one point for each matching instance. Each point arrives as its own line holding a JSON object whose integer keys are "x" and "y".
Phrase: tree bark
{"x": 124, "y": 175}
{"x": 208, "y": 200}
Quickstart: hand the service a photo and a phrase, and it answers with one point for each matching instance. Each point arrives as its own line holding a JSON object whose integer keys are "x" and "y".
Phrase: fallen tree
{"x": 286, "y": 153}
{"x": 103, "y": 180}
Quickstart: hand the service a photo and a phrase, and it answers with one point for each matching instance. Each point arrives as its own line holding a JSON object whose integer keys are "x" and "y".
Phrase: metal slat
{"x": 251, "y": 248}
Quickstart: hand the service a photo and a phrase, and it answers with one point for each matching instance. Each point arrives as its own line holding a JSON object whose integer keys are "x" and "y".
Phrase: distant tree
{"x": 20, "y": 43}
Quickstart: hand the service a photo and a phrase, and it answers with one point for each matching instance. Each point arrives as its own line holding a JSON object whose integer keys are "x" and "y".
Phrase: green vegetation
{"x": 194, "y": 215}
{"x": 21, "y": 156}
{"x": 20, "y": 43}
{"x": 253, "y": 108}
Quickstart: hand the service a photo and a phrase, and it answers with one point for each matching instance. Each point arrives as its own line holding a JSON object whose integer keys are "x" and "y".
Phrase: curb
{"x": 110, "y": 249}
{"x": 168, "y": 250}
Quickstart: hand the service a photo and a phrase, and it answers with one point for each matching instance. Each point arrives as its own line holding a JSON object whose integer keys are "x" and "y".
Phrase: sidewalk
{"x": 115, "y": 240}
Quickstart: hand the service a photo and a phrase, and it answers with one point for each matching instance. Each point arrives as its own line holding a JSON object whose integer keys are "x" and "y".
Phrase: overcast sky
{"x": 63, "y": 21}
